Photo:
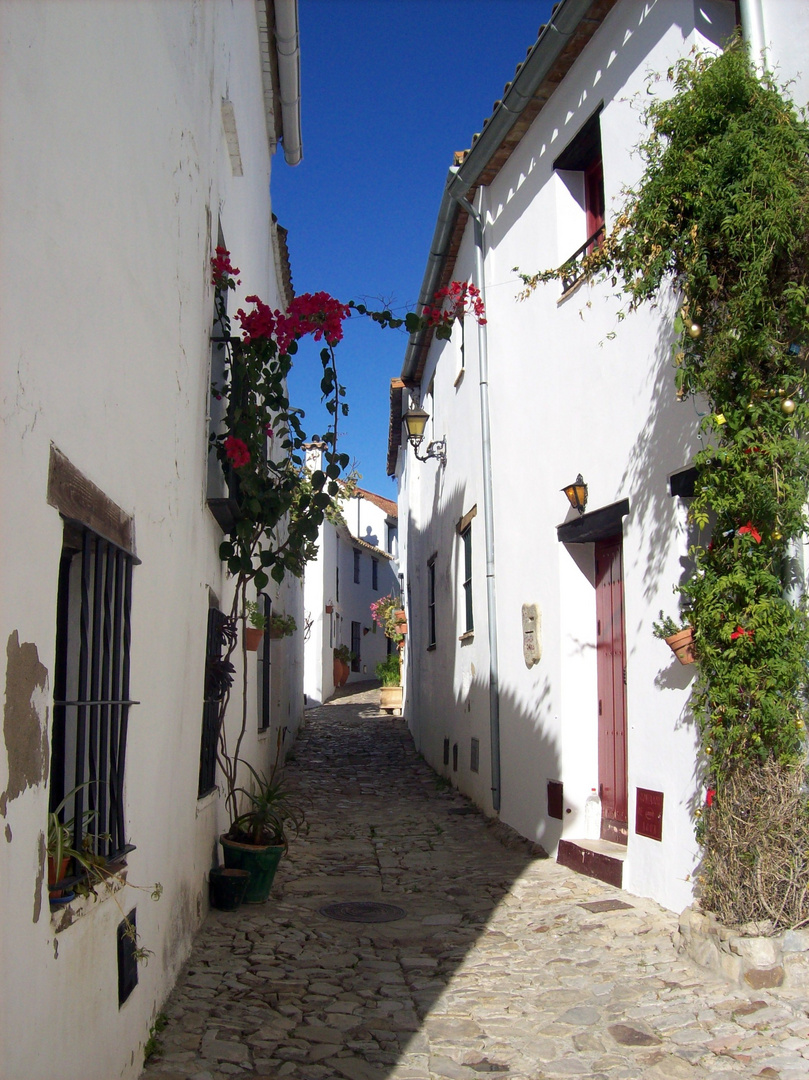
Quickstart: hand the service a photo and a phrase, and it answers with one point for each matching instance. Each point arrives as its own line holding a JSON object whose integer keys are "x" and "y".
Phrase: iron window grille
{"x": 264, "y": 669}
{"x": 91, "y": 691}
{"x": 218, "y": 681}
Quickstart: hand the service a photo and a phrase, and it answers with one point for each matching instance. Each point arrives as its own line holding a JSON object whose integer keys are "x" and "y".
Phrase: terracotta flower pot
{"x": 682, "y": 645}
{"x": 252, "y": 638}
{"x": 340, "y": 672}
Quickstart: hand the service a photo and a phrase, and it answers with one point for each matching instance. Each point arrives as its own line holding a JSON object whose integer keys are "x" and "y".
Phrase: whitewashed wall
{"x": 113, "y": 176}
{"x": 352, "y": 601}
{"x": 573, "y": 389}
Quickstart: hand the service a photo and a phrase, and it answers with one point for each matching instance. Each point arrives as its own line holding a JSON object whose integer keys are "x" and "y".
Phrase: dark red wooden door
{"x": 611, "y": 661}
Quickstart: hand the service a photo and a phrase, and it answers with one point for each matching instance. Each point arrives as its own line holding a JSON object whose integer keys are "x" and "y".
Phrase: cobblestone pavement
{"x": 498, "y": 966}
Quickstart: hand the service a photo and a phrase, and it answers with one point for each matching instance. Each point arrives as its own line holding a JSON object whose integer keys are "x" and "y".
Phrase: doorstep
{"x": 600, "y": 859}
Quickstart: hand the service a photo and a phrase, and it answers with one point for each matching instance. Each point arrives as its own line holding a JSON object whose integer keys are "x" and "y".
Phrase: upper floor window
{"x": 431, "y": 602}
{"x": 581, "y": 171}
{"x": 356, "y": 567}
{"x": 466, "y": 578}
{"x": 374, "y": 573}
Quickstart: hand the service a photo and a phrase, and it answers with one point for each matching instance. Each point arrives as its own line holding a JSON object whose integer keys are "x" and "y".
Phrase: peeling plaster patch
{"x": 56, "y": 948}
{"x": 26, "y": 735}
{"x": 40, "y": 878}
{"x": 8, "y": 834}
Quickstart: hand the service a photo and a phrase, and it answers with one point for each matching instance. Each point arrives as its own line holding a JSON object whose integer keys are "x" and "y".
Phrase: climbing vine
{"x": 722, "y": 215}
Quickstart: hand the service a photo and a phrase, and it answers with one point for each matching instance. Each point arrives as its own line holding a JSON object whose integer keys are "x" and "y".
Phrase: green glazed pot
{"x": 260, "y": 860}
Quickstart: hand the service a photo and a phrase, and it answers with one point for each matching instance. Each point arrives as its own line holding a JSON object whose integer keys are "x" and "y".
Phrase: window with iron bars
{"x": 218, "y": 680}
{"x": 91, "y": 691}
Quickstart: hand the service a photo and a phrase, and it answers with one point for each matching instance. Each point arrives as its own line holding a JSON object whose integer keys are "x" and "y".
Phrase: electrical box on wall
{"x": 531, "y": 634}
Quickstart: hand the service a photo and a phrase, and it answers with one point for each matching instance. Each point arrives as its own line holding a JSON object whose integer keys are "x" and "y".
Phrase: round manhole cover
{"x": 365, "y": 911}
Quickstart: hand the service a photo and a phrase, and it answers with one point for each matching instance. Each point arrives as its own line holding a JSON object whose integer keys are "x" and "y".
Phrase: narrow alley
{"x": 494, "y": 961}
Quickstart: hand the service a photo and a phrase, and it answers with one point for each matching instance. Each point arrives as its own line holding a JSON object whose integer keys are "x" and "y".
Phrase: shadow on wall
{"x": 665, "y": 444}
{"x": 448, "y": 681}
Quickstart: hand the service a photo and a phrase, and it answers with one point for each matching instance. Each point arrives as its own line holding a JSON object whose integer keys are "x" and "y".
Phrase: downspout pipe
{"x": 287, "y": 47}
{"x": 752, "y": 13}
{"x": 488, "y": 511}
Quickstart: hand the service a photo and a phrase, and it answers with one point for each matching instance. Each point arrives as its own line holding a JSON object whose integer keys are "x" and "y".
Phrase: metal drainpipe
{"x": 752, "y": 14}
{"x": 488, "y": 513}
{"x": 753, "y": 30}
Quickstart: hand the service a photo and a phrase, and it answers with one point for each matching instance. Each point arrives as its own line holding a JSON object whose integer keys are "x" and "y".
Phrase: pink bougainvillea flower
{"x": 752, "y": 530}
{"x": 455, "y": 300}
{"x": 740, "y": 632}
{"x": 317, "y": 314}
{"x": 257, "y": 324}
{"x": 269, "y": 431}
{"x": 237, "y": 451}
{"x": 222, "y": 273}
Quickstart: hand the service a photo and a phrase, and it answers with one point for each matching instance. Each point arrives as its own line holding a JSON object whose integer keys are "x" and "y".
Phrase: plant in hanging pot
{"x": 258, "y": 624}
{"x": 389, "y": 615}
{"x": 282, "y": 626}
{"x": 678, "y": 637}
{"x": 259, "y": 835}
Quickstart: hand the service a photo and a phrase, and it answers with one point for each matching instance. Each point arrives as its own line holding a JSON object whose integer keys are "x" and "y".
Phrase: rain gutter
{"x": 287, "y": 48}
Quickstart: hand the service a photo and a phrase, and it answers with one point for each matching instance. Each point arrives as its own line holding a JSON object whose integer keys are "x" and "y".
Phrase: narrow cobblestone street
{"x": 501, "y": 964}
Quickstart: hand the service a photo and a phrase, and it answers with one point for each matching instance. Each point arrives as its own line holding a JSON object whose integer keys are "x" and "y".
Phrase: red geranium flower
{"x": 750, "y": 528}
{"x": 237, "y": 451}
{"x": 740, "y": 632}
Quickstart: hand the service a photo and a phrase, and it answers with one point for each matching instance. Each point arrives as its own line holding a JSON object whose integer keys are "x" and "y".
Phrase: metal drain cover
{"x": 363, "y": 911}
{"x": 606, "y": 905}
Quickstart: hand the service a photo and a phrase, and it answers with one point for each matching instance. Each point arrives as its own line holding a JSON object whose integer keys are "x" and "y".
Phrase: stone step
{"x": 600, "y": 859}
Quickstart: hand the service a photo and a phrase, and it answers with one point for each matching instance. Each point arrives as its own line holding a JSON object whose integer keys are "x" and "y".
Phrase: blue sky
{"x": 390, "y": 89}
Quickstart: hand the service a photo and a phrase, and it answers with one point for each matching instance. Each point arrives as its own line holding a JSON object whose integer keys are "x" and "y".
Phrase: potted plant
{"x": 258, "y": 836}
{"x": 258, "y": 624}
{"x": 282, "y": 626}
{"x": 388, "y": 671}
{"x": 388, "y": 614}
{"x": 342, "y": 660}
{"x": 679, "y": 638}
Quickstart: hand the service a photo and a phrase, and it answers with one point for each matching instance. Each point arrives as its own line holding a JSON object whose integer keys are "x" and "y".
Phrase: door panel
{"x": 611, "y": 664}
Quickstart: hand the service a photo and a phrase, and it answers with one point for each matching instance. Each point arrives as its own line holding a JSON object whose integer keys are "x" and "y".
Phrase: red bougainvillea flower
{"x": 740, "y": 632}
{"x": 317, "y": 314}
{"x": 222, "y": 273}
{"x": 710, "y": 795}
{"x": 269, "y": 431}
{"x": 752, "y": 530}
{"x": 237, "y": 452}
{"x": 256, "y": 324}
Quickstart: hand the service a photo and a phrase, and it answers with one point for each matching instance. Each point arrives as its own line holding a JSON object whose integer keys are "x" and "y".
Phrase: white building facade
{"x": 135, "y": 137}
{"x": 533, "y": 675}
{"x": 356, "y": 564}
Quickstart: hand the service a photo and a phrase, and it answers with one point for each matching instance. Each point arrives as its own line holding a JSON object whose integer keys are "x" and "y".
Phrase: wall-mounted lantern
{"x": 577, "y": 494}
{"x": 415, "y": 421}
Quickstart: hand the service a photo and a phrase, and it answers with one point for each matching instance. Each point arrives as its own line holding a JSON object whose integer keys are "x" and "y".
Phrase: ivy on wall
{"x": 721, "y": 213}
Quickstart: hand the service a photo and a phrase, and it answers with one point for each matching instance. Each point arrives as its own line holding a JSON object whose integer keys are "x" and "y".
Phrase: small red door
{"x": 611, "y": 662}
